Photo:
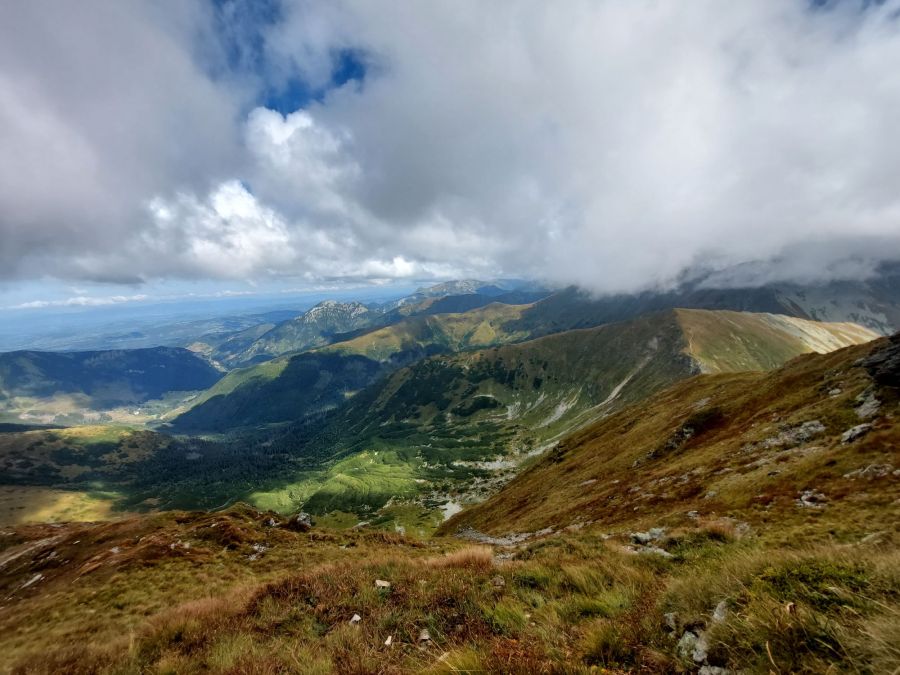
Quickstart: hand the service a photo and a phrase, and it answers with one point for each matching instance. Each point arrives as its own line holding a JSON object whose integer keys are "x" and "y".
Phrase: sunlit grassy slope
{"x": 481, "y": 327}
{"x": 725, "y": 341}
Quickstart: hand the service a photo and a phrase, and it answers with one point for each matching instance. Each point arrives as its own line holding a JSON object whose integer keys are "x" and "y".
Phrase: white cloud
{"x": 232, "y": 235}
{"x": 81, "y": 301}
{"x": 604, "y": 143}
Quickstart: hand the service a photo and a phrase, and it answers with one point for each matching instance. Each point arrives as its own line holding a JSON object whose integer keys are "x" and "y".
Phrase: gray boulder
{"x": 856, "y": 432}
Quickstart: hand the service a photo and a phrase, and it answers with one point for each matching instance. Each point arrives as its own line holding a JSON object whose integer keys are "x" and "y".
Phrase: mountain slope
{"x": 551, "y": 381}
{"x": 106, "y": 378}
{"x": 807, "y": 439}
{"x": 331, "y": 321}
{"x": 725, "y": 341}
{"x": 313, "y": 328}
{"x": 439, "y": 333}
{"x": 290, "y": 388}
{"x": 872, "y": 303}
{"x": 762, "y": 540}
{"x": 454, "y": 427}
{"x": 281, "y": 390}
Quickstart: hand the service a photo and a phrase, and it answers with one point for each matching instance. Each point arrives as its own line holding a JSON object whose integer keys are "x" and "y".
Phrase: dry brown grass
{"x": 561, "y": 604}
{"x": 476, "y": 558}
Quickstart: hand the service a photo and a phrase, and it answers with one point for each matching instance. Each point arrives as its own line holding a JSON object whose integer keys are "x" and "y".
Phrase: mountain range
{"x": 477, "y": 477}
{"x": 728, "y": 520}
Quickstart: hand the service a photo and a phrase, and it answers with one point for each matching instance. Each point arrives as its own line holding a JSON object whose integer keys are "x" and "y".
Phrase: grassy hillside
{"x": 727, "y": 524}
{"x": 290, "y": 388}
{"x": 282, "y": 390}
{"x": 439, "y": 333}
{"x": 453, "y": 428}
{"x": 782, "y": 448}
{"x": 723, "y": 341}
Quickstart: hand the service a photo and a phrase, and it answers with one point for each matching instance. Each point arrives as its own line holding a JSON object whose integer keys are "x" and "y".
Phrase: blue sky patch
{"x": 348, "y": 65}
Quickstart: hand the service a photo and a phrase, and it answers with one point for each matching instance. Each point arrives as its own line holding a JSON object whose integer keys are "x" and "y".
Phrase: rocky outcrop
{"x": 883, "y": 364}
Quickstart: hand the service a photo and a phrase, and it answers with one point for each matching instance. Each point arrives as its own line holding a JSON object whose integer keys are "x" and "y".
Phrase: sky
{"x": 184, "y": 147}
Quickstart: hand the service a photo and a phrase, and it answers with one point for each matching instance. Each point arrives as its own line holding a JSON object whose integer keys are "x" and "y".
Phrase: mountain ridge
{"x": 709, "y": 442}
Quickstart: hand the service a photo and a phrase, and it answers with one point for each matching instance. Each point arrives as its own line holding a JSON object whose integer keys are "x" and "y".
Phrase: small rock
{"x": 868, "y": 405}
{"x": 390, "y": 639}
{"x": 498, "y": 582}
{"x": 381, "y": 583}
{"x": 713, "y": 670}
{"x": 685, "y": 646}
{"x": 115, "y": 549}
{"x": 835, "y": 392}
{"x": 871, "y": 471}
{"x": 720, "y": 612}
{"x": 657, "y": 533}
{"x": 355, "y": 620}
{"x": 641, "y": 538}
{"x": 812, "y": 499}
{"x": 302, "y": 522}
{"x": 701, "y": 649}
{"x": 655, "y": 550}
{"x": 671, "y": 620}
{"x": 693, "y": 514}
{"x": 790, "y": 436}
{"x": 33, "y": 580}
{"x": 853, "y": 433}
{"x": 424, "y": 635}
{"x": 271, "y": 522}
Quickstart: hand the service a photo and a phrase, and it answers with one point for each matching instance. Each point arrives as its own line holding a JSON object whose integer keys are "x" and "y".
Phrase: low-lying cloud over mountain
{"x": 608, "y": 144}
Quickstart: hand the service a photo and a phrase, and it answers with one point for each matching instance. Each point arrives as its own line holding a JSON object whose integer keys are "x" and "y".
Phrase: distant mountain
{"x": 873, "y": 303}
{"x": 457, "y": 287}
{"x": 331, "y": 321}
{"x": 313, "y": 328}
{"x": 470, "y": 419}
{"x": 290, "y": 388}
{"x": 548, "y": 384}
{"x": 425, "y": 334}
{"x": 472, "y": 291}
{"x": 106, "y": 378}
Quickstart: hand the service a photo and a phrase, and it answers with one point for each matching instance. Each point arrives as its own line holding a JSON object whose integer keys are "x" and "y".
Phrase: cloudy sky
{"x": 240, "y": 144}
